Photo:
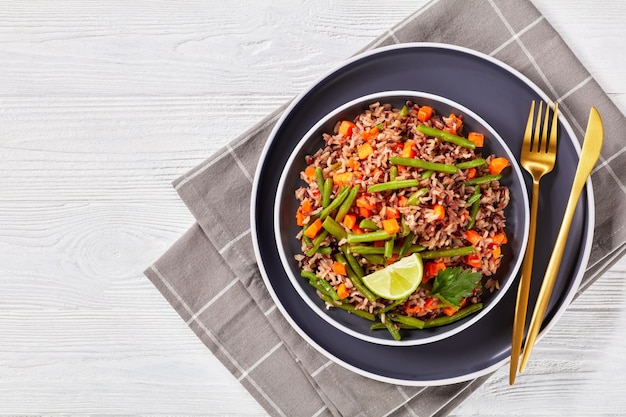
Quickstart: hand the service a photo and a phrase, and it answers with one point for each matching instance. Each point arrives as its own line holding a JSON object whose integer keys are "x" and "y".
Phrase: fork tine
{"x": 553, "y": 130}
{"x": 544, "y": 131}
{"x": 529, "y": 128}
{"x": 536, "y": 142}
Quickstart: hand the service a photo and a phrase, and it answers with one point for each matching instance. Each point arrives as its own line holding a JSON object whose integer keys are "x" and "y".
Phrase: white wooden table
{"x": 103, "y": 104}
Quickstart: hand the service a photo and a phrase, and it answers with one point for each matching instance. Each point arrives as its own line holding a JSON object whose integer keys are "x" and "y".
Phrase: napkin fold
{"x": 211, "y": 278}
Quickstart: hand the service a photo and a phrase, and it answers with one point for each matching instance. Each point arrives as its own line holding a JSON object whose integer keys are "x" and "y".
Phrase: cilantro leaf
{"x": 452, "y": 284}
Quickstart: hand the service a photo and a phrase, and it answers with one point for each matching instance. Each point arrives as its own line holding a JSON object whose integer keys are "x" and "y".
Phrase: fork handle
{"x": 521, "y": 304}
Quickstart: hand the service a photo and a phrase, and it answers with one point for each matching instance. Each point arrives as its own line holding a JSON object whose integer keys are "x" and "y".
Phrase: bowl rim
{"x": 297, "y": 281}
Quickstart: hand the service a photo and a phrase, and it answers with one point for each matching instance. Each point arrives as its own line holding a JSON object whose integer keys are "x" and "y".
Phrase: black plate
{"x": 502, "y": 97}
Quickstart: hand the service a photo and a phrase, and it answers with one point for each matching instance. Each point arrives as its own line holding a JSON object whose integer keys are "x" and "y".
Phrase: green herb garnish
{"x": 451, "y": 285}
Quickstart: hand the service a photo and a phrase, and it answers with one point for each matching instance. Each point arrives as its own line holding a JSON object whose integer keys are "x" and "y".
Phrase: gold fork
{"x": 538, "y": 158}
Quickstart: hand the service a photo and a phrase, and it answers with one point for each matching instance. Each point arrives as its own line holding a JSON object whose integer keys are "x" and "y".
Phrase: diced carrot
{"x": 499, "y": 239}
{"x": 440, "y": 211}
{"x": 349, "y": 220}
{"x": 409, "y": 309}
{"x": 392, "y": 213}
{"x": 342, "y": 291}
{"x": 473, "y": 260}
{"x": 343, "y": 178}
{"x": 378, "y": 244}
{"x": 424, "y": 113}
{"x": 357, "y": 230}
{"x": 454, "y": 123}
{"x": 313, "y": 229}
{"x": 431, "y": 269}
{"x": 306, "y": 207}
{"x": 473, "y": 237}
{"x": 345, "y": 128}
{"x": 365, "y": 213}
{"x": 431, "y": 303}
{"x": 393, "y": 259}
{"x": 339, "y": 268}
{"x": 391, "y": 226}
{"x": 497, "y": 165}
{"x": 365, "y": 150}
{"x": 408, "y": 150}
{"x": 471, "y": 173}
{"x": 300, "y": 217}
{"x": 310, "y": 172}
{"x": 496, "y": 252}
{"x": 370, "y": 133}
{"x": 448, "y": 311}
{"x": 353, "y": 163}
{"x": 463, "y": 302}
{"x": 364, "y": 202}
{"x": 402, "y": 201}
{"x": 477, "y": 138}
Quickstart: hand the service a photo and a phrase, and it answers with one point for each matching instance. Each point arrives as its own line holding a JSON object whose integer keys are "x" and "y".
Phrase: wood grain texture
{"x": 103, "y": 104}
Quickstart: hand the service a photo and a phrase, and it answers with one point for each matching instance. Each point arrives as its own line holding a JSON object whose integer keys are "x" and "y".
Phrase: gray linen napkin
{"x": 211, "y": 279}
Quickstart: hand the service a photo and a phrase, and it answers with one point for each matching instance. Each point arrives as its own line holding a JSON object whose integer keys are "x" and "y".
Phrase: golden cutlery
{"x": 588, "y": 158}
{"x": 538, "y": 158}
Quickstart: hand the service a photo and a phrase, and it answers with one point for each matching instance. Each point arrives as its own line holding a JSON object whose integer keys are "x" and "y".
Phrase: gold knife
{"x": 592, "y": 145}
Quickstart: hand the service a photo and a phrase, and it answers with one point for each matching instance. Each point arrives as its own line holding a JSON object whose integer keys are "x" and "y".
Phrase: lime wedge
{"x": 398, "y": 280}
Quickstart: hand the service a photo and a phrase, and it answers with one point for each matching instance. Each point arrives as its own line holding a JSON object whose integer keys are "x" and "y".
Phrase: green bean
{"x": 474, "y": 198}
{"x": 319, "y": 177}
{"x": 320, "y": 284}
{"x": 418, "y": 163}
{"x": 326, "y": 250}
{"x": 380, "y": 126}
{"x": 367, "y": 250}
{"x": 356, "y": 280}
{"x": 415, "y": 249}
{"x": 328, "y": 190}
{"x": 404, "y": 112}
{"x": 392, "y": 329}
{"x": 474, "y": 163}
{"x": 404, "y": 227}
{"x": 336, "y": 166}
{"x": 352, "y": 261}
{"x": 341, "y": 195}
{"x": 316, "y": 243}
{"x": 350, "y": 308}
{"x": 483, "y": 180}
{"x": 393, "y": 305}
{"x": 334, "y": 228}
{"x": 368, "y": 224}
{"x": 393, "y": 173}
{"x": 375, "y": 259}
{"x": 445, "y": 136}
{"x": 474, "y": 208}
{"x": 373, "y": 250}
{"x": 407, "y": 320}
{"x": 427, "y": 174}
{"x": 392, "y": 185}
{"x": 414, "y": 199}
{"x": 388, "y": 249}
{"x": 307, "y": 240}
{"x": 406, "y": 244}
{"x": 368, "y": 237}
{"x": 443, "y": 320}
{"x": 308, "y": 275}
{"x": 380, "y": 326}
{"x": 447, "y": 253}
{"x": 347, "y": 203}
